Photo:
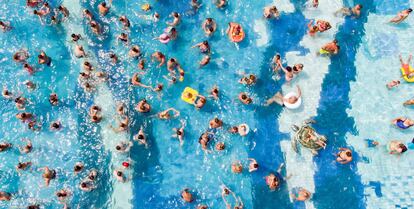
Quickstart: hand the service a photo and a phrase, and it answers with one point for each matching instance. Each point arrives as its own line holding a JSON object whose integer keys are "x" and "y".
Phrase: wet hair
{"x": 215, "y": 90}
{"x": 335, "y": 41}
{"x": 33, "y": 207}
{"x": 83, "y": 184}
{"x": 205, "y": 43}
{"x": 209, "y": 19}
{"x": 175, "y": 14}
{"x": 409, "y": 10}
{"x": 20, "y": 165}
{"x": 244, "y": 96}
{"x": 119, "y": 173}
{"x": 103, "y": 4}
{"x": 55, "y": 125}
{"x": 216, "y": 120}
{"x": 178, "y": 132}
{"x": 118, "y": 147}
{"x": 140, "y": 136}
{"x": 112, "y": 55}
{"x": 403, "y": 148}
{"x": 255, "y": 165}
{"x": 172, "y": 60}
{"x": 77, "y": 168}
{"x": 173, "y": 29}
{"x": 412, "y": 141}
{"x": 348, "y": 153}
{"x": 135, "y": 49}
{"x": 60, "y": 7}
{"x": 35, "y": 12}
{"x": 289, "y": 69}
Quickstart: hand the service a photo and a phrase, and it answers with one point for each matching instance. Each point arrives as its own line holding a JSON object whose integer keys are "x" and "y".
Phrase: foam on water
{"x": 388, "y": 178}
{"x": 310, "y": 81}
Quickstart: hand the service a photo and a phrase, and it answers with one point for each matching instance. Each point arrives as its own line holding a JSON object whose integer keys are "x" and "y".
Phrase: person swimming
{"x": 176, "y": 19}
{"x": 143, "y": 106}
{"x": 140, "y": 137}
{"x": 313, "y": 29}
{"x": 26, "y": 148}
{"x": 403, "y": 123}
{"x": 215, "y": 123}
{"x": 203, "y": 46}
{"x": 5, "y": 146}
{"x": 214, "y": 92}
{"x": 302, "y": 195}
{"x": 125, "y": 22}
{"x": 103, "y": 8}
{"x": 5, "y": 196}
{"x": 53, "y": 99}
{"x": 253, "y": 165}
{"x": 396, "y": 147}
{"x": 393, "y": 84}
{"x": 236, "y": 167}
{"x": 78, "y": 167}
{"x": 209, "y": 26}
{"x": 344, "y": 156}
{"x": 401, "y": 16}
{"x": 43, "y": 59}
{"x": 186, "y": 195}
{"x": 244, "y": 98}
{"x": 350, "y": 11}
{"x": 203, "y": 140}
{"x": 159, "y": 57}
{"x": 165, "y": 115}
{"x": 270, "y": 12}
{"x": 330, "y": 48}
{"x": 48, "y": 175}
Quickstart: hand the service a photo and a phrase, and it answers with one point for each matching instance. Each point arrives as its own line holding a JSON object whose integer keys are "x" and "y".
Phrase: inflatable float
{"x": 406, "y": 76}
{"x": 294, "y": 105}
{"x": 301, "y": 135}
{"x": 235, "y": 33}
{"x": 189, "y": 95}
{"x": 243, "y": 129}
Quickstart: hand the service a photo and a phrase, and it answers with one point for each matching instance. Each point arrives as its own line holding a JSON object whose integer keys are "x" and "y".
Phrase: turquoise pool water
{"x": 332, "y": 96}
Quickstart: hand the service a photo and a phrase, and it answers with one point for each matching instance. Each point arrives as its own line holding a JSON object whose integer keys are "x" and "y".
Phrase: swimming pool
{"x": 340, "y": 93}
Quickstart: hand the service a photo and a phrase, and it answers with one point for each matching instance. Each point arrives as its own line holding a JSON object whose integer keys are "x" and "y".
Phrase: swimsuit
{"x": 400, "y": 124}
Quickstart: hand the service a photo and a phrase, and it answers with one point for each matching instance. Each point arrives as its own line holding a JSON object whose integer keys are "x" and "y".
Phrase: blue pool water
{"x": 160, "y": 171}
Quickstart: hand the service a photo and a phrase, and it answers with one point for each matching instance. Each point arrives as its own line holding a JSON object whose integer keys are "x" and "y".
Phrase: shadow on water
{"x": 284, "y": 38}
{"x": 334, "y": 122}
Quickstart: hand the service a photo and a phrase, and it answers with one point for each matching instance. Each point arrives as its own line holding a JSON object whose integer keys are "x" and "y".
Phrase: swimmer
{"x": 7, "y": 94}
{"x": 26, "y": 148}
{"x": 21, "y": 56}
{"x": 33, "y": 3}
{"x": 20, "y": 102}
{"x": 176, "y": 19}
{"x": 220, "y": 3}
{"x": 23, "y": 166}
{"x": 323, "y": 25}
{"x": 79, "y": 51}
{"x": 302, "y": 195}
{"x": 95, "y": 118}
{"x": 87, "y": 14}
{"x": 103, "y": 8}
{"x": 200, "y": 102}
{"x": 24, "y": 116}
{"x": 30, "y": 85}
{"x": 143, "y": 106}
{"x": 313, "y": 29}
{"x": 348, "y": 11}
{"x": 62, "y": 195}
{"x": 397, "y": 147}
{"x": 140, "y": 137}
{"x": 114, "y": 58}
{"x": 225, "y": 191}
{"x": 43, "y": 59}
{"x": 36, "y": 206}
{"x": 159, "y": 57}
{"x": 141, "y": 64}
{"x": 53, "y": 99}
{"x": 55, "y": 126}
{"x": 409, "y": 102}
{"x": 253, "y": 165}
{"x": 158, "y": 88}
{"x": 86, "y": 186}
{"x": 134, "y": 52}
{"x": 136, "y": 81}
{"x": 297, "y": 68}
{"x": 248, "y": 80}
{"x": 288, "y": 73}
{"x": 209, "y": 26}
{"x": 406, "y": 65}
{"x": 124, "y": 38}
{"x": 121, "y": 110}
{"x": 236, "y": 167}
{"x": 172, "y": 64}
{"x": 123, "y": 125}
{"x": 203, "y": 140}
{"x": 28, "y": 68}
{"x": 220, "y": 146}
{"x": 165, "y": 115}
{"x": 272, "y": 180}
{"x": 401, "y": 16}
{"x": 244, "y": 98}
{"x": 173, "y": 34}
{"x": 5, "y": 196}
{"x": 101, "y": 76}
{"x": 243, "y": 129}
{"x": 344, "y": 156}
{"x": 64, "y": 11}
{"x": 125, "y": 22}
{"x": 179, "y": 133}
{"x": 403, "y": 123}
{"x": 202, "y": 207}
{"x": 315, "y": 3}
{"x": 270, "y": 12}
{"x": 216, "y": 123}
{"x": 78, "y": 167}
{"x": 214, "y": 92}
{"x": 5, "y": 146}
{"x": 5, "y": 26}
{"x": 95, "y": 27}
{"x": 186, "y": 195}
{"x": 203, "y": 46}
{"x": 332, "y": 47}
{"x": 204, "y": 61}
{"x": 48, "y": 175}
{"x": 195, "y": 4}
{"x": 393, "y": 83}
{"x": 94, "y": 109}
{"x": 92, "y": 175}
{"x": 54, "y": 19}
{"x": 234, "y": 130}
{"x": 119, "y": 175}
{"x": 156, "y": 17}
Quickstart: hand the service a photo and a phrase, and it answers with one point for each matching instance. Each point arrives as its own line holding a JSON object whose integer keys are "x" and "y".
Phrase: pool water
{"x": 343, "y": 94}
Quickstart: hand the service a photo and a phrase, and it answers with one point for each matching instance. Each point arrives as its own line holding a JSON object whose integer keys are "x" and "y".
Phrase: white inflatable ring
{"x": 244, "y": 132}
{"x": 292, "y": 106}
